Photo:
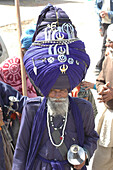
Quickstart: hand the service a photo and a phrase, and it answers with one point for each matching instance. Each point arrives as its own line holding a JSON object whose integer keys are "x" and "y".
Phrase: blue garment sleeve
{"x": 23, "y": 141}
{"x": 91, "y": 136}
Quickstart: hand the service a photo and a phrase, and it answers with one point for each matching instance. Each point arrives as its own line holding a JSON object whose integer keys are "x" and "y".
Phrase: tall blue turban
{"x": 51, "y": 14}
{"x": 56, "y": 58}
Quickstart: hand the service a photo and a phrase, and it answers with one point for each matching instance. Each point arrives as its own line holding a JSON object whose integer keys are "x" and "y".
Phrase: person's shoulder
{"x": 84, "y": 106}
{"x": 33, "y": 103}
{"x": 30, "y": 107}
{"x": 36, "y": 100}
{"x": 81, "y": 101}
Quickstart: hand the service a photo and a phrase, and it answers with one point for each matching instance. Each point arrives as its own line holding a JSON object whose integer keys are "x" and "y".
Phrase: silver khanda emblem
{"x": 63, "y": 68}
{"x": 68, "y": 28}
{"x": 61, "y": 50}
{"x": 60, "y": 36}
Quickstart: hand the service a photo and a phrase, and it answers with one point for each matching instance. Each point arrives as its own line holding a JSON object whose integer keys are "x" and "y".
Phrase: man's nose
{"x": 58, "y": 95}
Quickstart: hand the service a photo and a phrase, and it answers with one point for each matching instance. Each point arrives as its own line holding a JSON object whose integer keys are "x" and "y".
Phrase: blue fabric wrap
{"x": 26, "y": 39}
{"x": 56, "y": 165}
{"x": 48, "y": 15}
{"x": 38, "y": 129}
{"x": 36, "y": 134}
{"x": 47, "y": 73}
{"x": 37, "y": 55}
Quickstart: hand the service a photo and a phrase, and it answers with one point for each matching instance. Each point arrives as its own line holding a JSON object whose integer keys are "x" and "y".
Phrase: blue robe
{"x": 46, "y": 150}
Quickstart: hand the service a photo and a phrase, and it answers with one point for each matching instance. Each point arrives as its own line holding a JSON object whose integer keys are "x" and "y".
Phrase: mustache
{"x": 55, "y": 99}
{"x": 57, "y": 106}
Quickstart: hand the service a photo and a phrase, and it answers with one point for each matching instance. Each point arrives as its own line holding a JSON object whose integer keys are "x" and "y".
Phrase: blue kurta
{"x": 46, "y": 149}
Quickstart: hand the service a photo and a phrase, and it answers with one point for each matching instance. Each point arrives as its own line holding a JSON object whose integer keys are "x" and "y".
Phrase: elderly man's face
{"x": 58, "y": 93}
{"x": 58, "y": 102}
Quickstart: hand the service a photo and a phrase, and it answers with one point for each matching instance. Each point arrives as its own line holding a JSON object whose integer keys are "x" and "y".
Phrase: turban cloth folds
{"x": 55, "y": 50}
{"x": 48, "y": 72}
{"x": 48, "y": 15}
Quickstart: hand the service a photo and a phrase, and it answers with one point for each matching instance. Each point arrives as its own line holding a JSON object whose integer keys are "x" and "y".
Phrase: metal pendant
{"x": 60, "y": 36}
{"x": 50, "y": 60}
{"x": 61, "y": 50}
{"x": 35, "y": 68}
{"x": 70, "y": 60}
{"x": 77, "y": 62}
{"x": 62, "y": 58}
{"x": 63, "y": 68}
{"x": 68, "y": 28}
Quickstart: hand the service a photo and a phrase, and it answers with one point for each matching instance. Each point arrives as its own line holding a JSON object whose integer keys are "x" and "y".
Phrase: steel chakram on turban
{"x": 56, "y": 58}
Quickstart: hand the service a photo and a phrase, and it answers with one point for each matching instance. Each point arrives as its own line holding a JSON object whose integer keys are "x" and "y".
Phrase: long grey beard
{"x": 57, "y": 108}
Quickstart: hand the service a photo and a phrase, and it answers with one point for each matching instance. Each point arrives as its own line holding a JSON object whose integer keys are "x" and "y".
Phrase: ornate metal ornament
{"x": 63, "y": 68}
{"x": 61, "y": 50}
{"x": 77, "y": 62}
{"x": 60, "y": 36}
{"x": 68, "y": 28}
{"x": 35, "y": 68}
{"x": 52, "y": 26}
{"x": 70, "y": 60}
{"x": 49, "y": 30}
{"x": 62, "y": 58}
{"x": 50, "y": 59}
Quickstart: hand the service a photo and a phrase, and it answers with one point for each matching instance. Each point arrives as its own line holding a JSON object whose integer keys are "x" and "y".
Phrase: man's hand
{"x": 87, "y": 85}
{"x": 103, "y": 14}
{"x": 79, "y": 167}
{"x": 106, "y": 93}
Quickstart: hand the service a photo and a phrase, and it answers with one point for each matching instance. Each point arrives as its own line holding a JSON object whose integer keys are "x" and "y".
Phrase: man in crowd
{"x": 103, "y": 158}
{"x": 104, "y": 9}
{"x": 56, "y": 62}
{"x": 8, "y": 125}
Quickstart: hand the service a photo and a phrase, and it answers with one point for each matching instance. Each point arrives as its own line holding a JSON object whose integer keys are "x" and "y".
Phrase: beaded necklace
{"x": 63, "y": 130}
{"x": 52, "y": 122}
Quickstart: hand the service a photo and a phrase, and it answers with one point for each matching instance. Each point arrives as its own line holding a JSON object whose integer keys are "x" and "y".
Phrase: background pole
{"x": 19, "y": 30}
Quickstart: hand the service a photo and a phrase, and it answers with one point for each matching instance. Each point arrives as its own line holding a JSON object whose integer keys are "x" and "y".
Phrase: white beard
{"x": 57, "y": 108}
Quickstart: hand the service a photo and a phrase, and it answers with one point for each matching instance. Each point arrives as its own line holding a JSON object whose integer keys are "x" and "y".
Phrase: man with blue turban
{"x": 54, "y": 126}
